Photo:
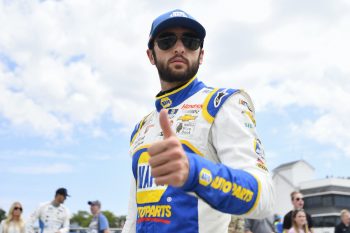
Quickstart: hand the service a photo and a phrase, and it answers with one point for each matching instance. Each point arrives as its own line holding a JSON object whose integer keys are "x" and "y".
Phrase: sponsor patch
{"x": 165, "y": 102}
{"x": 172, "y": 112}
{"x": 259, "y": 149}
{"x": 219, "y": 97}
{"x": 244, "y": 103}
{"x": 185, "y": 128}
{"x": 205, "y": 177}
{"x": 187, "y": 117}
{"x": 250, "y": 116}
{"x": 147, "y": 190}
{"x": 192, "y": 106}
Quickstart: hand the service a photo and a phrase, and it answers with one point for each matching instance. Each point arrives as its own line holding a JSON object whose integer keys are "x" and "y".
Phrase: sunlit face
{"x": 298, "y": 201}
{"x": 300, "y": 218}
{"x": 94, "y": 209}
{"x": 60, "y": 198}
{"x": 178, "y": 63}
{"x": 346, "y": 218}
{"x": 17, "y": 210}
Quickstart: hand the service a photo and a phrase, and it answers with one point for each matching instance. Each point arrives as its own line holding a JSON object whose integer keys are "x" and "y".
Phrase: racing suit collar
{"x": 177, "y": 96}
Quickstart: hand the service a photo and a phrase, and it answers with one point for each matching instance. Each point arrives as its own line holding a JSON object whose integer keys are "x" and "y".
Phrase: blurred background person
{"x": 264, "y": 225}
{"x": 53, "y": 216}
{"x": 99, "y": 222}
{"x": 14, "y": 222}
{"x": 344, "y": 226}
{"x": 299, "y": 222}
{"x": 298, "y": 204}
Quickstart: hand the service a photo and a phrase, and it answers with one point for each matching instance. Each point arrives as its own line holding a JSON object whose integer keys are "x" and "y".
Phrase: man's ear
{"x": 150, "y": 56}
{"x": 201, "y": 55}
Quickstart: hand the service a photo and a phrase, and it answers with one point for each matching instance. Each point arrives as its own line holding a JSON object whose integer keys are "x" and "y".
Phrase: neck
{"x": 55, "y": 203}
{"x": 96, "y": 214}
{"x": 15, "y": 218}
{"x": 165, "y": 86}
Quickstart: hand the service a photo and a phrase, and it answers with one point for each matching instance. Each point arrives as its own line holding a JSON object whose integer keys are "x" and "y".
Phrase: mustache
{"x": 176, "y": 57}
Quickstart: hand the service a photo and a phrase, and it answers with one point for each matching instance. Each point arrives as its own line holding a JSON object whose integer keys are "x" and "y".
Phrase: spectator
{"x": 344, "y": 226}
{"x": 53, "y": 216}
{"x": 278, "y": 224}
{"x": 298, "y": 204}
{"x": 14, "y": 222}
{"x": 299, "y": 224}
{"x": 99, "y": 222}
{"x": 264, "y": 225}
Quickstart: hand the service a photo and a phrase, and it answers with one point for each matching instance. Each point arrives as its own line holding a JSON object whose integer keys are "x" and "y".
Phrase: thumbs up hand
{"x": 168, "y": 160}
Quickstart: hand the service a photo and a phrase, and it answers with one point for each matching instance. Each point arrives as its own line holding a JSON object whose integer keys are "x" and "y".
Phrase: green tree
{"x": 2, "y": 214}
{"x": 112, "y": 219}
{"x": 121, "y": 220}
{"x": 82, "y": 218}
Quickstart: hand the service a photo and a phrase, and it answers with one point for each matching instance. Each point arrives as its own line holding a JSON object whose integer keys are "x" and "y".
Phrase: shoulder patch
{"x": 215, "y": 99}
{"x": 137, "y": 129}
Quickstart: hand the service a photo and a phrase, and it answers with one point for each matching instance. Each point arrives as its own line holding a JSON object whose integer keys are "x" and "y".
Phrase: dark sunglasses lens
{"x": 18, "y": 208}
{"x": 167, "y": 42}
{"x": 191, "y": 43}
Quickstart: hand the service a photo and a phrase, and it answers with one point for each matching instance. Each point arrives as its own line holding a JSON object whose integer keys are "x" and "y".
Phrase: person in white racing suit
{"x": 196, "y": 159}
{"x": 53, "y": 216}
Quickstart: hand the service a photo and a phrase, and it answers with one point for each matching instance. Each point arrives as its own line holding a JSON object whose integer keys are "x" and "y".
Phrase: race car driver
{"x": 53, "y": 216}
{"x": 196, "y": 159}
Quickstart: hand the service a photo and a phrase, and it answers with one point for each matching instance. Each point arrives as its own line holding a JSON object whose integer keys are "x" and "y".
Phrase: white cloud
{"x": 284, "y": 53}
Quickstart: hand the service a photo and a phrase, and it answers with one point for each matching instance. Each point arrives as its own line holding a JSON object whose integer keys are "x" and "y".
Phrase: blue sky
{"x": 74, "y": 79}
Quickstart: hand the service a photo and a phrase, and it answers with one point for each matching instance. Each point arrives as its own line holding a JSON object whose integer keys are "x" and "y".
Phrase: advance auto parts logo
{"x": 147, "y": 190}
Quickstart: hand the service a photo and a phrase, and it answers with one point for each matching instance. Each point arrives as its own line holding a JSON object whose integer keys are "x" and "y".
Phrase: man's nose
{"x": 179, "y": 46}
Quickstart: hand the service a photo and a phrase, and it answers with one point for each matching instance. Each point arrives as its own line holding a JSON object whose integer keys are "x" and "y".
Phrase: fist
{"x": 168, "y": 159}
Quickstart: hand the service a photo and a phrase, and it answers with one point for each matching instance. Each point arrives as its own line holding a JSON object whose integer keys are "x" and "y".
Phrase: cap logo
{"x": 178, "y": 14}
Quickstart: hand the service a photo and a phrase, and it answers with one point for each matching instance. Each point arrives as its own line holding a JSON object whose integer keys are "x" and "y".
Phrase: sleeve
{"x": 309, "y": 221}
{"x": 287, "y": 221}
{"x": 65, "y": 227}
{"x": 337, "y": 229}
{"x": 130, "y": 224}
{"x": 247, "y": 225}
{"x": 32, "y": 220}
{"x": 1, "y": 225}
{"x": 103, "y": 222}
{"x": 240, "y": 183}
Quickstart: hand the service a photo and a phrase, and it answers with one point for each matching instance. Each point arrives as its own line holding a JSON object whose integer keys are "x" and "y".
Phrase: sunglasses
{"x": 167, "y": 40}
{"x": 18, "y": 208}
{"x": 299, "y": 198}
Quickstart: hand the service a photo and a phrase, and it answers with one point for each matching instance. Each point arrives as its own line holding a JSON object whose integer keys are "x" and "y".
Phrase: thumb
{"x": 165, "y": 123}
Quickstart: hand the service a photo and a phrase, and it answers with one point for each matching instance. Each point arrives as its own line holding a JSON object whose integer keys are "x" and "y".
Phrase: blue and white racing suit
{"x": 51, "y": 219}
{"x": 227, "y": 174}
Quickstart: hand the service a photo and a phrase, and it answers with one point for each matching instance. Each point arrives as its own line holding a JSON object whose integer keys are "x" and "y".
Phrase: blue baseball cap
{"x": 175, "y": 18}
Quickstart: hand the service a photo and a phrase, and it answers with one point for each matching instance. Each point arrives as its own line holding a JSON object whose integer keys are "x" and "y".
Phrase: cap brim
{"x": 178, "y": 22}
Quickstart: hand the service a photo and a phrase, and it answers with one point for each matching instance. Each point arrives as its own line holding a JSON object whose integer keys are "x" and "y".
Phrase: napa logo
{"x": 205, "y": 177}
{"x": 165, "y": 102}
{"x": 178, "y": 14}
{"x": 147, "y": 190}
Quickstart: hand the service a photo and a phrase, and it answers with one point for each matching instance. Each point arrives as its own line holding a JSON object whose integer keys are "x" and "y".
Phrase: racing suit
{"x": 227, "y": 170}
{"x": 52, "y": 219}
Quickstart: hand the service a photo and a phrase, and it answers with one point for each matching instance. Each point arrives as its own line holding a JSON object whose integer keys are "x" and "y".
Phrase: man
{"x": 53, "y": 216}
{"x": 265, "y": 225}
{"x": 99, "y": 222}
{"x": 298, "y": 203}
{"x": 192, "y": 164}
{"x": 344, "y": 226}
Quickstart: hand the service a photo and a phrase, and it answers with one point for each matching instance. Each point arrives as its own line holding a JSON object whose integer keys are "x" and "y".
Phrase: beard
{"x": 168, "y": 75}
